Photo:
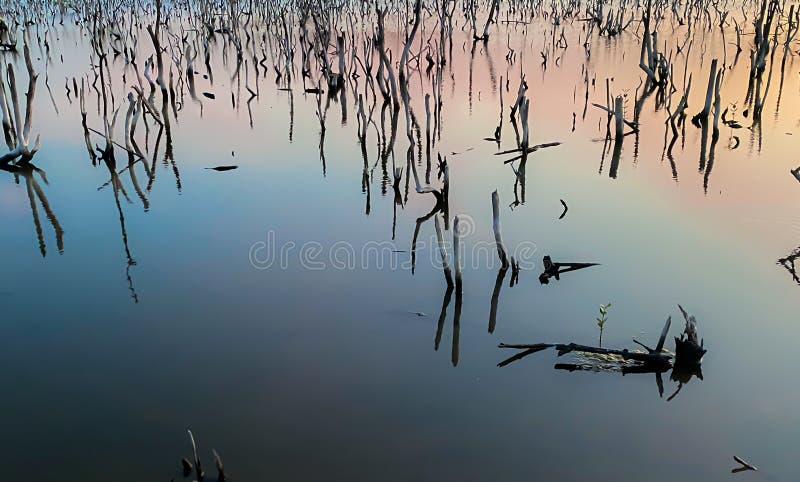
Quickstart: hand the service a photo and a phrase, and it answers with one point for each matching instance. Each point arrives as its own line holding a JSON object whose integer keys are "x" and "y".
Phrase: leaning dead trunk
{"x": 702, "y": 116}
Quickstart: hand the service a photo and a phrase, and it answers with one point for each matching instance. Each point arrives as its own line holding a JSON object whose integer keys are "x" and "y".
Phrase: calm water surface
{"x": 152, "y": 317}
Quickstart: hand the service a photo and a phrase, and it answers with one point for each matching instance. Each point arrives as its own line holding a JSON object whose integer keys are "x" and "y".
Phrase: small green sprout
{"x": 601, "y": 320}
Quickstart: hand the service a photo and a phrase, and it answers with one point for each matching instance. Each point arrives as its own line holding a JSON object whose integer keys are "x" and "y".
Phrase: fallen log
{"x": 655, "y": 358}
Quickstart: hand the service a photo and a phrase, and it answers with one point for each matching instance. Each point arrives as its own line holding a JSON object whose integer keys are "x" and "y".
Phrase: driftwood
{"x": 686, "y": 359}
{"x": 554, "y": 270}
{"x": 651, "y": 358}
{"x": 689, "y": 348}
{"x": 788, "y": 262}
{"x": 654, "y": 361}
{"x": 525, "y": 151}
{"x": 654, "y": 357}
{"x": 744, "y": 465}
{"x": 565, "y": 209}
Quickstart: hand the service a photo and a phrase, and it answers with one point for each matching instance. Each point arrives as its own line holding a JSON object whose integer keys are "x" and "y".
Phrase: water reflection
{"x": 28, "y": 172}
{"x": 164, "y": 67}
{"x": 18, "y": 161}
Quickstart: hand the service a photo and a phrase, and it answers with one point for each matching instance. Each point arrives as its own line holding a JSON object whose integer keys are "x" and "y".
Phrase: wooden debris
{"x": 198, "y": 468}
{"x": 187, "y": 467}
{"x": 744, "y": 465}
{"x": 685, "y": 363}
{"x": 689, "y": 348}
{"x": 221, "y": 477}
{"x": 526, "y": 150}
{"x": 565, "y": 209}
{"x": 655, "y": 358}
{"x": 554, "y": 270}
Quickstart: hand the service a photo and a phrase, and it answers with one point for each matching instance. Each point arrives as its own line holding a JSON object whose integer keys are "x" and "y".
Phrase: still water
{"x": 272, "y": 308}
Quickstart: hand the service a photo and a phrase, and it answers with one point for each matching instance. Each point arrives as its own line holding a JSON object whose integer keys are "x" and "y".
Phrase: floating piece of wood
{"x": 744, "y": 465}
{"x": 788, "y": 263}
{"x": 796, "y": 173}
{"x": 529, "y": 351}
{"x": 526, "y": 151}
{"x": 209, "y": 95}
{"x": 554, "y": 270}
{"x": 222, "y": 168}
{"x": 685, "y": 363}
{"x": 689, "y": 348}
{"x": 656, "y": 359}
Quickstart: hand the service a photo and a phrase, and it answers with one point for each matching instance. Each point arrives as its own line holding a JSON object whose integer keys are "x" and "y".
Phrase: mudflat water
{"x": 272, "y": 308}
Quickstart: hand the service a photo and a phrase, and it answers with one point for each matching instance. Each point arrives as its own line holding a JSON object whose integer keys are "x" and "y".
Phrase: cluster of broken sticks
{"x": 194, "y": 466}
